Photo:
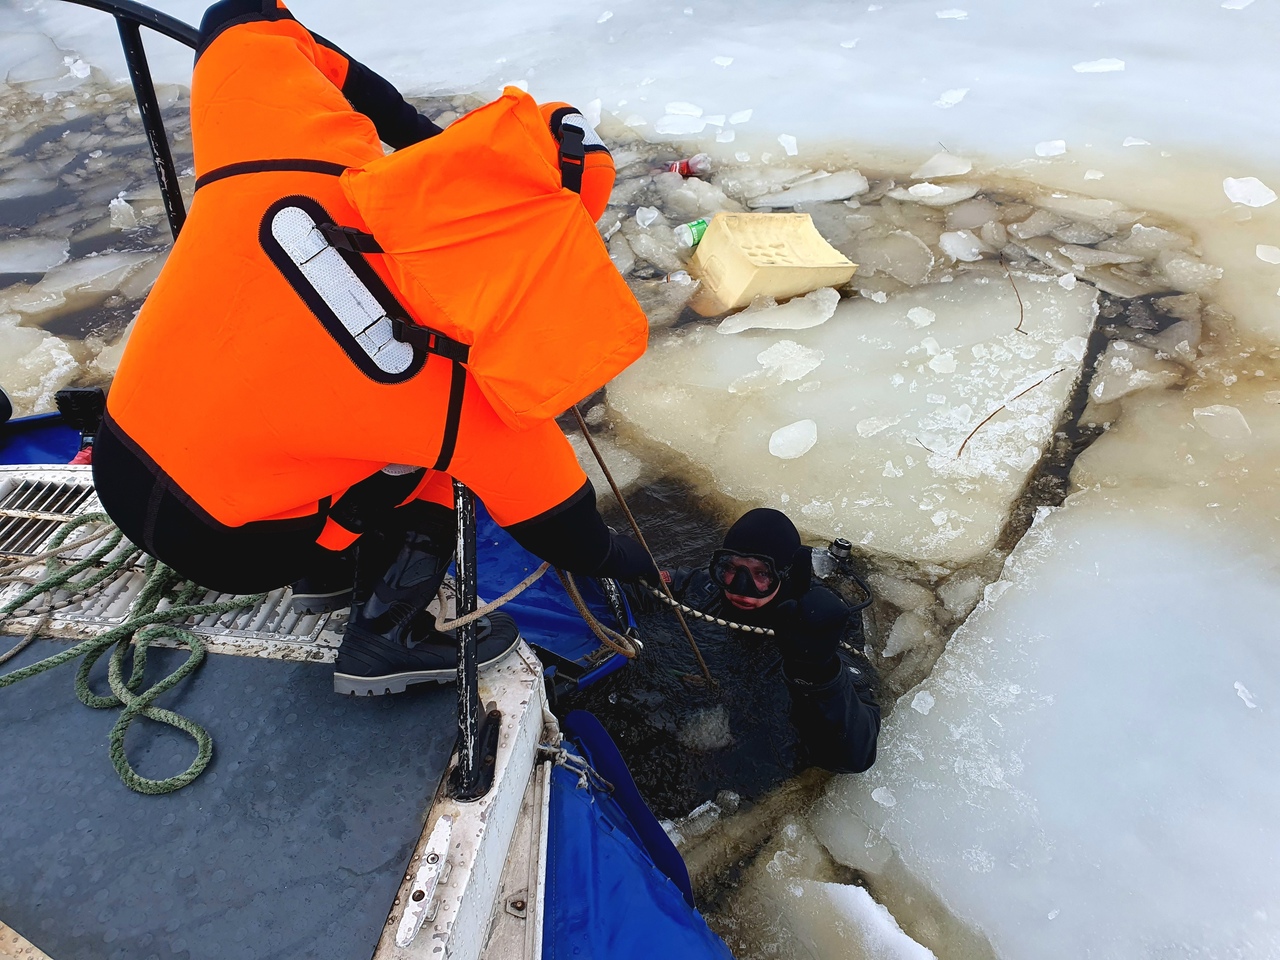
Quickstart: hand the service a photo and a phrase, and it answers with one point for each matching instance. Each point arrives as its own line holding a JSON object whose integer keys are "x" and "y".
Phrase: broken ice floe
{"x": 986, "y": 771}
{"x": 1051, "y": 148}
{"x": 873, "y": 409}
{"x": 942, "y": 165}
{"x": 934, "y": 194}
{"x": 818, "y": 188}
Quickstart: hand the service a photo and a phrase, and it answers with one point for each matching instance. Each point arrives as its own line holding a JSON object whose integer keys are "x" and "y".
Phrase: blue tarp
{"x": 607, "y": 895}
{"x": 43, "y": 438}
{"x": 545, "y": 613}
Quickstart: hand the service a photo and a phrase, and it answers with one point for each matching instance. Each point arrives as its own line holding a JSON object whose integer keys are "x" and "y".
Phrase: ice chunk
{"x": 1126, "y": 367}
{"x": 621, "y": 254}
{"x": 884, "y": 796}
{"x": 79, "y": 284}
{"x": 788, "y": 144}
{"x": 942, "y": 165}
{"x": 1135, "y": 142}
{"x": 1222, "y": 422}
{"x": 31, "y": 255}
{"x": 1250, "y": 191}
{"x": 1145, "y": 241}
{"x": 901, "y": 255}
{"x": 1083, "y": 233}
{"x": 1268, "y": 253}
{"x": 1179, "y": 340}
{"x": 1093, "y": 174}
{"x": 953, "y": 14}
{"x": 960, "y": 594}
{"x": 875, "y": 372}
{"x": 970, "y": 214}
{"x": 961, "y": 245}
{"x": 934, "y": 194}
{"x": 786, "y": 360}
{"x": 921, "y": 316}
{"x": 923, "y": 702}
{"x": 34, "y": 365}
{"x": 1037, "y": 225}
{"x": 950, "y": 98}
{"x": 903, "y": 594}
{"x": 1188, "y": 273}
{"x": 722, "y": 61}
{"x": 1235, "y": 4}
{"x": 626, "y": 468}
{"x": 800, "y": 313}
{"x": 646, "y": 216}
{"x": 1105, "y": 65}
{"x": 123, "y": 216}
{"x": 1090, "y": 257}
{"x": 836, "y": 186}
{"x": 794, "y": 440}
{"x": 664, "y": 300}
{"x": 741, "y": 116}
{"x": 1243, "y": 693}
{"x": 1067, "y": 281}
{"x": 1051, "y": 148}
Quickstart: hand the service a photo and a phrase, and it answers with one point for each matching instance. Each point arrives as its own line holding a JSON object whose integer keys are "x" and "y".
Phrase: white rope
{"x": 718, "y": 621}
{"x": 492, "y": 605}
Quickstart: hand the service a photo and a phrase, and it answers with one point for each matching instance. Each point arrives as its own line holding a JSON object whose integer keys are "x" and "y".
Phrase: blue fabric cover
{"x": 605, "y": 895}
{"x": 43, "y": 438}
{"x": 546, "y": 615}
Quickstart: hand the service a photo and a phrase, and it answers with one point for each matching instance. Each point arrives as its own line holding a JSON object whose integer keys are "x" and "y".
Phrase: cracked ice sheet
{"x": 875, "y": 399}
{"x": 1095, "y": 762}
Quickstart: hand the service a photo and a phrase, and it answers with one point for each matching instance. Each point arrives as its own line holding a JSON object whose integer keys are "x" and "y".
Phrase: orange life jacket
{"x": 239, "y": 384}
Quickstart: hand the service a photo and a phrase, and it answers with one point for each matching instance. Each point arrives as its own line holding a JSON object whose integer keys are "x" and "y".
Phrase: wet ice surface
{"x": 82, "y": 229}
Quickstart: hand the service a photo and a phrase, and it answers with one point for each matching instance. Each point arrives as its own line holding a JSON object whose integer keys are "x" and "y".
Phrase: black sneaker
{"x": 369, "y": 664}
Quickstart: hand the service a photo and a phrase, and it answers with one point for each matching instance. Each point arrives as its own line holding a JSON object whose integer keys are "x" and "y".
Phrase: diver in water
{"x": 763, "y": 577}
{"x": 340, "y": 332}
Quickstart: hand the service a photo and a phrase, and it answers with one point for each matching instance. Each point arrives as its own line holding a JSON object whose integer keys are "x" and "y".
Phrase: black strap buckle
{"x": 572, "y": 156}
{"x": 429, "y": 340}
{"x": 349, "y": 238}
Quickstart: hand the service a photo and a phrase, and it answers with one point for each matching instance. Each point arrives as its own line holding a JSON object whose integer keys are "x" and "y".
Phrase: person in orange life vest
{"x": 260, "y": 430}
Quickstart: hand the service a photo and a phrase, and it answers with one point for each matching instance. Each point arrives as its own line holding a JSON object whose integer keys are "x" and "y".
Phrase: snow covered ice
{"x": 1087, "y": 753}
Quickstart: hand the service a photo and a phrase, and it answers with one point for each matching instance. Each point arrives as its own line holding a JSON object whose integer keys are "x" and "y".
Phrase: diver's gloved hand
{"x": 628, "y": 561}
{"x": 808, "y": 633}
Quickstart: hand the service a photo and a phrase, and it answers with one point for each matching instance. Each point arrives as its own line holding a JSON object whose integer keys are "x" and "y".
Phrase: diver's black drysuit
{"x": 833, "y": 703}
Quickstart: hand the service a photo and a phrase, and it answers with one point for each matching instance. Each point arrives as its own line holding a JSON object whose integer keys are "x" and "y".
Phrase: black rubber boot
{"x": 370, "y": 664}
{"x": 391, "y": 641}
{"x": 327, "y": 587}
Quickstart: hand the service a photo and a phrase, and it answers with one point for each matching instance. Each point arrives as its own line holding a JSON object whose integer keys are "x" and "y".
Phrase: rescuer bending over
{"x": 338, "y": 333}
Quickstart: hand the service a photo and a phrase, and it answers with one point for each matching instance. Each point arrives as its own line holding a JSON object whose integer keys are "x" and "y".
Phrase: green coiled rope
{"x": 144, "y": 624}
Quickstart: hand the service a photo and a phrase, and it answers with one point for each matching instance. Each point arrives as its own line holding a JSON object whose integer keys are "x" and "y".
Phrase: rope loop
{"x": 144, "y": 624}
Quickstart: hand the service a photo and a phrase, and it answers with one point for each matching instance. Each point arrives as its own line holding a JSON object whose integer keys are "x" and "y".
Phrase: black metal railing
{"x": 477, "y": 732}
{"x": 130, "y": 18}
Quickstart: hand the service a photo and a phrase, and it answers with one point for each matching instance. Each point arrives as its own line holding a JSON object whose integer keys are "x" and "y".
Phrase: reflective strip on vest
{"x": 337, "y": 285}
